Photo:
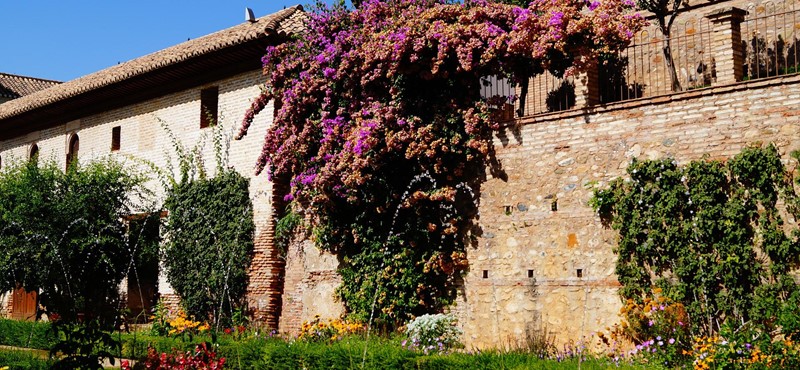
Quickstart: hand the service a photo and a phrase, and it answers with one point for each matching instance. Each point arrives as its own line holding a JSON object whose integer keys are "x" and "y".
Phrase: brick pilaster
{"x": 726, "y": 43}
{"x": 587, "y": 88}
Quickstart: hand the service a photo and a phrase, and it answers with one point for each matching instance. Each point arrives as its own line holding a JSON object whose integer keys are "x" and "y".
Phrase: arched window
{"x": 72, "y": 149}
{"x": 34, "y": 152}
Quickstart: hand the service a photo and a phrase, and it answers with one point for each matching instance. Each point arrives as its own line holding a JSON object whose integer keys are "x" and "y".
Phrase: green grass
{"x": 275, "y": 353}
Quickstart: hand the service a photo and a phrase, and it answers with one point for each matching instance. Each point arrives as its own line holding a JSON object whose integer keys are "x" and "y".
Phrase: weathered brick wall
{"x": 309, "y": 286}
{"x": 561, "y": 158}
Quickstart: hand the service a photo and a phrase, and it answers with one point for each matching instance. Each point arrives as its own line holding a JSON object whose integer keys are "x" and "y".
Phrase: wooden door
{"x": 23, "y": 305}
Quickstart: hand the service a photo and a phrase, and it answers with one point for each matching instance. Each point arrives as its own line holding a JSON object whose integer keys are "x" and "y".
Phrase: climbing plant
{"x": 710, "y": 235}
{"x": 209, "y": 232}
{"x": 382, "y": 130}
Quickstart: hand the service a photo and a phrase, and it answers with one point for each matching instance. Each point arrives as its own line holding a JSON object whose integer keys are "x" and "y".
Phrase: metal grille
{"x": 641, "y": 69}
{"x": 770, "y": 40}
{"x": 547, "y": 93}
{"x": 544, "y": 93}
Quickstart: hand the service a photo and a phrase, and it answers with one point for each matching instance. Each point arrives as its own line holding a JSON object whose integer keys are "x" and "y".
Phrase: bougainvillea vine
{"x": 379, "y": 123}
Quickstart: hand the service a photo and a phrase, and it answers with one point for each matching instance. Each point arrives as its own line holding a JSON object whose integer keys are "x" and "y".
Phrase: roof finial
{"x": 248, "y": 15}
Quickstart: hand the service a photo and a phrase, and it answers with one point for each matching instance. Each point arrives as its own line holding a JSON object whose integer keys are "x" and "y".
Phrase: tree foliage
{"x": 380, "y": 125}
{"x": 63, "y": 235}
{"x": 711, "y": 236}
{"x": 665, "y": 12}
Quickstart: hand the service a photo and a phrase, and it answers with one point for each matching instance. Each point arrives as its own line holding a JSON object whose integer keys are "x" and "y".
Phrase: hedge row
{"x": 26, "y": 334}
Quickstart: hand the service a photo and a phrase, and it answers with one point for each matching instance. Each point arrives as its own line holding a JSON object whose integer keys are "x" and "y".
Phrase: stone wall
{"x": 538, "y": 222}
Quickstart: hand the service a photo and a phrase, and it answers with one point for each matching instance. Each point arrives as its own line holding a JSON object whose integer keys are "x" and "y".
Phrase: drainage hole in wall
{"x": 579, "y": 273}
{"x": 485, "y": 274}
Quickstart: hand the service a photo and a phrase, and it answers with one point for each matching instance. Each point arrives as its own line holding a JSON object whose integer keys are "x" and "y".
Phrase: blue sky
{"x": 63, "y": 40}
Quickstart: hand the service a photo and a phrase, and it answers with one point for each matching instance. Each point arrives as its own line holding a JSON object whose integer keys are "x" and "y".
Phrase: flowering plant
{"x": 318, "y": 330}
{"x": 181, "y": 325}
{"x": 368, "y": 100}
{"x": 433, "y": 333}
{"x": 202, "y": 358}
{"x": 160, "y": 318}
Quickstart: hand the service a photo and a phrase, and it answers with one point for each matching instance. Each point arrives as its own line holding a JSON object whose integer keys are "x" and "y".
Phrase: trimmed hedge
{"x": 28, "y": 334}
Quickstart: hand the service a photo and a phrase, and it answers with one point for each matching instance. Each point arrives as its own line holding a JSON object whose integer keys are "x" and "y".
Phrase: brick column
{"x": 726, "y": 43}
{"x": 587, "y": 88}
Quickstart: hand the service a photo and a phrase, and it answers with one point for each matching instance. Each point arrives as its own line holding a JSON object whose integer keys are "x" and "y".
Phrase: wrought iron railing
{"x": 642, "y": 70}
{"x": 543, "y": 93}
{"x": 770, "y": 39}
{"x": 770, "y": 42}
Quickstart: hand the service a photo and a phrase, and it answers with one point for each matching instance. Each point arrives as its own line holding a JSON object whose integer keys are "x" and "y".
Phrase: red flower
{"x": 228, "y": 330}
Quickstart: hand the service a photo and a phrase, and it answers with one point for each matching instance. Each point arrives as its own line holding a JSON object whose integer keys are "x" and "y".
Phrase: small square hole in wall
{"x": 507, "y": 210}
{"x": 530, "y": 274}
{"x": 485, "y": 274}
{"x": 579, "y": 273}
{"x": 554, "y": 205}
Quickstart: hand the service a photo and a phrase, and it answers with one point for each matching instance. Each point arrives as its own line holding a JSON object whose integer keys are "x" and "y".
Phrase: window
{"x": 209, "y": 99}
{"x": 115, "y": 138}
{"x": 34, "y": 152}
{"x": 72, "y": 149}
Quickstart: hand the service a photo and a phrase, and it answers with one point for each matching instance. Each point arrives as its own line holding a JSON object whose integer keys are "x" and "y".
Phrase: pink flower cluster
{"x": 353, "y": 93}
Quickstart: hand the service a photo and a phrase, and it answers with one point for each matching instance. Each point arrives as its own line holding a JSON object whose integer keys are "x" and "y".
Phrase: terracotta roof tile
{"x": 14, "y": 86}
{"x": 286, "y": 21}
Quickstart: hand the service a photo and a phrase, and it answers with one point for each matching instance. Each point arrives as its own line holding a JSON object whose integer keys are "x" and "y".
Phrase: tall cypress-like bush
{"x": 209, "y": 231}
{"x": 209, "y": 243}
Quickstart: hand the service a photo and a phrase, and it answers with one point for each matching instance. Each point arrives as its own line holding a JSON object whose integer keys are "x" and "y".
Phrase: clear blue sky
{"x": 63, "y": 39}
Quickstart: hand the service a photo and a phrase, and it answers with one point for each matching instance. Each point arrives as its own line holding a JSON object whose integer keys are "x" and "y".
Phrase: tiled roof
{"x": 13, "y": 86}
{"x": 287, "y": 21}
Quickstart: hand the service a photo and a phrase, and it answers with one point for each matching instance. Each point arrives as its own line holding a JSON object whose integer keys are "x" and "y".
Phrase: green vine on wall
{"x": 711, "y": 234}
{"x": 209, "y": 232}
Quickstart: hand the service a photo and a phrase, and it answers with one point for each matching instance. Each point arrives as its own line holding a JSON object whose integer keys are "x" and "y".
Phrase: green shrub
{"x": 27, "y": 360}
{"x": 711, "y": 235}
{"x": 27, "y": 334}
{"x": 209, "y": 232}
{"x": 62, "y": 234}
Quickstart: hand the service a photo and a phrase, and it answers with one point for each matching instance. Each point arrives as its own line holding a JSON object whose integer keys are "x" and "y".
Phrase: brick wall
{"x": 143, "y": 138}
{"x": 309, "y": 286}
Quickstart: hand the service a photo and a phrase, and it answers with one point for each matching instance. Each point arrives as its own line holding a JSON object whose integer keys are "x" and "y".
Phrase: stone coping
{"x": 657, "y": 100}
